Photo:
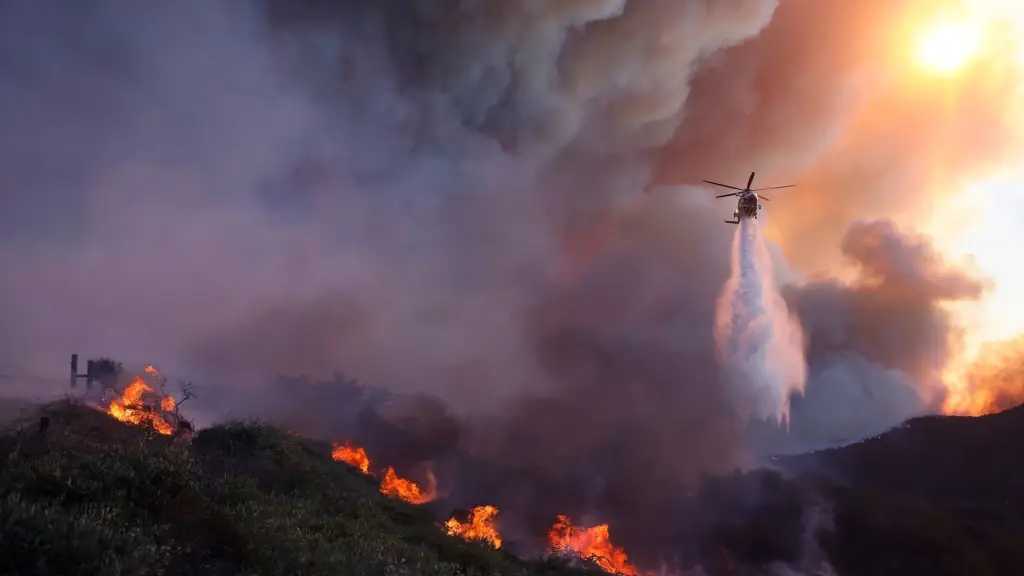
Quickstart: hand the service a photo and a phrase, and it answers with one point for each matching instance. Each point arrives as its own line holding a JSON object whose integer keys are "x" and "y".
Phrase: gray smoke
{"x": 878, "y": 343}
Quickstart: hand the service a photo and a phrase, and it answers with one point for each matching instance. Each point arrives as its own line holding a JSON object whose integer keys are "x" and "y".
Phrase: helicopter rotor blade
{"x": 727, "y": 195}
{"x": 774, "y": 187}
{"x": 722, "y": 185}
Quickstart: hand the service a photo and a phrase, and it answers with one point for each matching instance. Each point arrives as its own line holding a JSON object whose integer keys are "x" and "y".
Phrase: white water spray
{"x": 760, "y": 344}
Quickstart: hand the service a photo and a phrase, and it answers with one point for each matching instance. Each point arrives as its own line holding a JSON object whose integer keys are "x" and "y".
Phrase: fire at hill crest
{"x": 565, "y": 539}
{"x": 142, "y": 404}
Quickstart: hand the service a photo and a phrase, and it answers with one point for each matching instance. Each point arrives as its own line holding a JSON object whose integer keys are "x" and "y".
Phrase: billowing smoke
{"x": 486, "y": 202}
{"x": 760, "y": 344}
{"x": 878, "y": 342}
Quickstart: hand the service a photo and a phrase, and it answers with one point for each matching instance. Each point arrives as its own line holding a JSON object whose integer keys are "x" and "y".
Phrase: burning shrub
{"x": 351, "y": 455}
{"x": 147, "y": 405}
{"x": 478, "y": 526}
{"x": 590, "y": 544}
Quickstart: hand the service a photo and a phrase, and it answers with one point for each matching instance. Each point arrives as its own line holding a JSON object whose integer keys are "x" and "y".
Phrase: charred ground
{"x": 95, "y": 496}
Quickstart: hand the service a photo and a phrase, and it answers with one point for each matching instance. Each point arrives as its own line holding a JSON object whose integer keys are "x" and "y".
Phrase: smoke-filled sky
{"x": 494, "y": 202}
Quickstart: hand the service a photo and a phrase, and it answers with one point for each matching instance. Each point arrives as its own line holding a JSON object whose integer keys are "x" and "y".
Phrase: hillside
{"x": 949, "y": 485}
{"x": 949, "y": 459}
{"x": 96, "y": 496}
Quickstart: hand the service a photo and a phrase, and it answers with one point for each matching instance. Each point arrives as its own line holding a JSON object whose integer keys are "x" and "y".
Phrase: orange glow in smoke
{"x": 992, "y": 381}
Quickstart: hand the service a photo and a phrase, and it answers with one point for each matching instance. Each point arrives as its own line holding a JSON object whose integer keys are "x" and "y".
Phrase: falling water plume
{"x": 760, "y": 344}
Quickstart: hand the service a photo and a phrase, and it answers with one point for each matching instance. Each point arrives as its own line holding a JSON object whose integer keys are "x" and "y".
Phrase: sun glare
{"x": 944, "y": 47}
{"x": 979, "y": 223}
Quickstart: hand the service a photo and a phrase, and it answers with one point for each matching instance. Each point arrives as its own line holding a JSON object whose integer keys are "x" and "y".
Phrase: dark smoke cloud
{"x": 480, "y": 200}
{"x": 878, "y": 344}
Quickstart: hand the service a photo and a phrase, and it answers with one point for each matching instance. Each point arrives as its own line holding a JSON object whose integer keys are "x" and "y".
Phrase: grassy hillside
{"x": 96, "y": 497}
{"x": 15, "y": 410}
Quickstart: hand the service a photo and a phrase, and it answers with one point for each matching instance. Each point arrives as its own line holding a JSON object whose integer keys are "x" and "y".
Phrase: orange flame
{"x": 479, "y": 527}
{"x": 352, "y": 455}
{"x": 990, "y": 382}
{"x": 132, "y": 408}
{"x": 167, "y": 404}
{"x": 591, "y": 544}
{"x": 397, "y": 487}
{"x": 392, "y": 485}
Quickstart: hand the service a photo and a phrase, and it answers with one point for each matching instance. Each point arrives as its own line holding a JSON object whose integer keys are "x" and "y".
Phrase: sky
{"x": 990, "y": 243}
{"x": 988, "y": 204}
{"x": 980, "y": 220}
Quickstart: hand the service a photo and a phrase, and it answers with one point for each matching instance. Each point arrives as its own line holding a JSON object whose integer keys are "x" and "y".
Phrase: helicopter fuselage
{"x": 747, "y": 206}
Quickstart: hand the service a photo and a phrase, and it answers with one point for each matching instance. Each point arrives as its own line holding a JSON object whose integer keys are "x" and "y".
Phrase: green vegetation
{"x": 93, "y": 496}
{"x": 96, "y": 497}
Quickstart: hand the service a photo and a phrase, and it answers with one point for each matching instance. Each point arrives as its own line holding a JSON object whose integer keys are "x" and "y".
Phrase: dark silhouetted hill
{"x": 949, "y": 460}
{"x": 938, "y": 495}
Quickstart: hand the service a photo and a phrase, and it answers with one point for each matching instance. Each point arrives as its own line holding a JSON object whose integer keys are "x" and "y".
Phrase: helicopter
{"x": 747, "y": 206}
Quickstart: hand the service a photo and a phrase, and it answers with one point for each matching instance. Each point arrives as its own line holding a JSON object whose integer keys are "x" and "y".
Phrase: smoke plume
{"x": 760, "y": 344}
{"x": 878, "y": 342}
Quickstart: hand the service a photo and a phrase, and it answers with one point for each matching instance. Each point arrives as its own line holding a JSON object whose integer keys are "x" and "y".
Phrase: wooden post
{"x": 74, "y": 370}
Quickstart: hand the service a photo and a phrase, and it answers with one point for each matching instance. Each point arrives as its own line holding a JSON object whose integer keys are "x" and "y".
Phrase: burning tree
{"x": 144, "y": 404}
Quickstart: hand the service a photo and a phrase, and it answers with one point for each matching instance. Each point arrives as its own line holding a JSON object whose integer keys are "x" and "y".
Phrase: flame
{"x": 989, "y": 382}
{"x": 480, "y": 526}
{"x": 392, "y": 485}
{"x": 397, "y": 487}
{"x": 352, "y": 455}
{"x": 167, "y": 404}
{"x": 591, "y": 544}
{"x": 131, "y": 408}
